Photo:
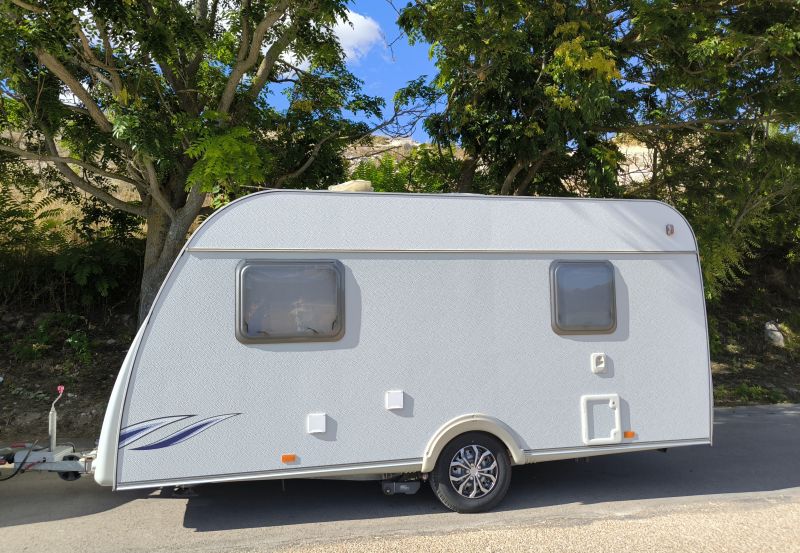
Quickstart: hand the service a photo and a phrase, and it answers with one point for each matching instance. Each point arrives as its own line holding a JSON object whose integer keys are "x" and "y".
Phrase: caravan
{"x": 407, "y": 337}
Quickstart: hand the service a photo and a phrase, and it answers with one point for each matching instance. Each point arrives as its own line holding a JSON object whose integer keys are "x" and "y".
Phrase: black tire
{"x": 70, "y": 476}
{"x": 445, "y": 488}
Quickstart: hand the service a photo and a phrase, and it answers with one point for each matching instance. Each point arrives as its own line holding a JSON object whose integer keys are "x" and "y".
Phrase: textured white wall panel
{"x": 458, "y": 333}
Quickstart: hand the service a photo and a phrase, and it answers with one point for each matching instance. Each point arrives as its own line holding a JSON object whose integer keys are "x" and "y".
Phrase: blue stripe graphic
{"x": 186, "y": 433}
{"x": 133, "y": 432}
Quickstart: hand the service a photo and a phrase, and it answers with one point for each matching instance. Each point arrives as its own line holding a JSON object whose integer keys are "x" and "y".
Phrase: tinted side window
{"x": 290, "y": 301}
{"x": 583, "y": 297}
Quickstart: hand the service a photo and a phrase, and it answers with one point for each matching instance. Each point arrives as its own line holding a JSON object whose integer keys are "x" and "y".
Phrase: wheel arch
{"x": 472, "y": 423}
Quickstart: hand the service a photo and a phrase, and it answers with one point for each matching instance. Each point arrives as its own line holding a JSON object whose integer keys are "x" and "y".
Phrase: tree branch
{"x": 49, "y": 61}
{"x": 27, "y": 6}
{"x": 89, "y": 188}
{"x": 272, "y": 55}
{"x": 467, "y": 175}
{"x": 244, "y": 64}
{"x": 80, "y": 163}
{"x": 201, "y": 9}
{"x": 109, "y": 55}
{"x": 505, "y": 190}
{"x": 155, "y": 189}
{"x": 694, "y": 124}
{"x": 97, "y": 75}
{"x": 522, "y": 187}
{"x": 373, "y": 153}
{"x": 191, "y": 208}
{"x": 280, "y": 181}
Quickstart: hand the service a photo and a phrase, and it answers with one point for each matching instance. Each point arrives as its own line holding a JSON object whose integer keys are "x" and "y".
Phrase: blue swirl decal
{"x": 186, "y": 433}
{"x": 131, "y": 433}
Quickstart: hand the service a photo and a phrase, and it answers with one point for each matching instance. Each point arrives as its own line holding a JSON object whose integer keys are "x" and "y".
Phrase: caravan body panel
{"x": 448, "y": 300}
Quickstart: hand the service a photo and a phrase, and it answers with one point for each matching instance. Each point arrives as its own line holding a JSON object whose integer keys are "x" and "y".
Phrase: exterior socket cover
{"x": 394, "y": 399}
{"x": 599, "y": 365}
{"x": 316, "y": 423}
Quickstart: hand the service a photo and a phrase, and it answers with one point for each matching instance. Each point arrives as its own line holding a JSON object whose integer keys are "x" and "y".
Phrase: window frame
{"x": 241, "y": 268}
{"x": 554, "y": 298}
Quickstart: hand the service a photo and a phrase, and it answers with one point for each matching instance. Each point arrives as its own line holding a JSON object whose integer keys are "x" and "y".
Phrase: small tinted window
{"x": 583, "y": 297}
{"x": 290, "y": 301}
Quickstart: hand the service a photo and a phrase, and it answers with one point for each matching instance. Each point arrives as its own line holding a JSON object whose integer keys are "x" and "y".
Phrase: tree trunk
{"x": 522, "y": 187}
{"x": 467, "y": 174}
{"x": 512, "y": 175}
{"x": 165, "y": 238}
{"x": 157, "y": 226}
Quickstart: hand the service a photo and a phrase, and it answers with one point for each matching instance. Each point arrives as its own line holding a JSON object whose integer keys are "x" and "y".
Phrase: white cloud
{"x": 358, "y": 36}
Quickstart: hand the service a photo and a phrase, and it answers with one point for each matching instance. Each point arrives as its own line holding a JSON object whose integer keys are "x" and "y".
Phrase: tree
{"x": 152, "y": 105}
{"x": 525, "y": 82}
{"x": 717, "y": 101}
{"x": 539, "y": 94}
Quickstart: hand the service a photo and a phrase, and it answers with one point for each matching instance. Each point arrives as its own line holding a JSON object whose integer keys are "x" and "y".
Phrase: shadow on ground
{"x": 755, "y": 450}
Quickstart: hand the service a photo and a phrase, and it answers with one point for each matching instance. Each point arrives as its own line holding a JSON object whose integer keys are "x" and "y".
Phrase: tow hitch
{"x": 61, "y": 459}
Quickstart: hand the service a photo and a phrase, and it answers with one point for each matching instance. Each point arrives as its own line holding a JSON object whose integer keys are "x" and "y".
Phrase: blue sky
{"x": 377, "y": 54}
{"x": 383, "y": 69}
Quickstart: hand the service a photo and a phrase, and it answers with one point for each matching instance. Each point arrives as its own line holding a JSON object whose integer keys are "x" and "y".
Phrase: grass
{"x": 747, "y": 393}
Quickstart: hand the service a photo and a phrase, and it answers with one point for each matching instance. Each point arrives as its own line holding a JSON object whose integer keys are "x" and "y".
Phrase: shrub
{"x": 50, "y": 264}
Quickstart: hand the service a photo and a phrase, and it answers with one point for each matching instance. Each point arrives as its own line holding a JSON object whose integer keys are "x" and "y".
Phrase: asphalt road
{"x": 741, "y": 495}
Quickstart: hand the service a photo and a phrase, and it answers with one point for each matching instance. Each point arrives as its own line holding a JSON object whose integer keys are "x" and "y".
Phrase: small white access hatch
{"x": 601, "y": 421}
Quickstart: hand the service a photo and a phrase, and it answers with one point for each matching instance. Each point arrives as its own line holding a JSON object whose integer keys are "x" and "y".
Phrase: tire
{"x": 70, "y": 476}
{"x": 469, "y": 488}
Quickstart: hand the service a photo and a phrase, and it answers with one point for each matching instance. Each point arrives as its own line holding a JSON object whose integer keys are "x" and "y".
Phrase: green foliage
{"x": 61, "y": 331}
{"x": 734, "y": 174}
{"x": 45, "y": 263}
{"x": 29, "y": 395}
{"x": 525, "y": 82}
{"x": 384, "y": 174}
{"x": 425, "y": 170}
{"x": 230, "y": 158}
{"x": 28, "y": 221}
{"x": 739, "y": 191}
{"x": 791, "y": 334}
{"x": 98, "y": 267}
{"x": 747, "y": 393}
{"x": 79, "y": 344}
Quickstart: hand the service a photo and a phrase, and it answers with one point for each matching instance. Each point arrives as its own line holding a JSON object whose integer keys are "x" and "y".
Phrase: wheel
{"x": 70, "y": 476}
{"x": 472, "y": 473}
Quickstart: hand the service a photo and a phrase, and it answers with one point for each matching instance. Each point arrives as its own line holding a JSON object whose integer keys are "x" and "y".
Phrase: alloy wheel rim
{"x": 473, "y": 471}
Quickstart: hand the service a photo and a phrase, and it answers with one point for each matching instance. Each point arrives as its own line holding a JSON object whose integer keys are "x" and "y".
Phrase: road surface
{"x": 741, "y": 495}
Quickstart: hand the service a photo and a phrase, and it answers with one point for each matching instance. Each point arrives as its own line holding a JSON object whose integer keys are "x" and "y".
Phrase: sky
{"x": 383, "y": 69}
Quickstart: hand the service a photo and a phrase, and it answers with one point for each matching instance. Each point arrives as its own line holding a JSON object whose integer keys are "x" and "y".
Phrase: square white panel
{"x": 599, "y": 364}
{"x": 394, "y": 399}
{"x": 316, "y": 423}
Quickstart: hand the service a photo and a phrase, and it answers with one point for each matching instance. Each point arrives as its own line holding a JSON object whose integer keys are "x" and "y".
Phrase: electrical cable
{"x": 22, "y": 464}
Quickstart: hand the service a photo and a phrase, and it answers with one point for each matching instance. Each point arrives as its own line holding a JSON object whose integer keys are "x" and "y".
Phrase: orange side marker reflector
{"x": 288, "y": 458}
{"x": 629, "y": 434}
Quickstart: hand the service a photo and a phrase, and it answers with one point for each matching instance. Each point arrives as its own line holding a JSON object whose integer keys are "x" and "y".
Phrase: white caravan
{"x": 409, "y": 337}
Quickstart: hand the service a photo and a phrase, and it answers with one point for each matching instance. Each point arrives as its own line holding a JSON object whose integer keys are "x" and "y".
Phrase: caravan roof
{"x": 339, "y": 221}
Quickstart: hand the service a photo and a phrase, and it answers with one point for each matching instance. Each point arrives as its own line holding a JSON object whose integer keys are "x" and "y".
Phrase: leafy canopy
{"x": 544, "y": 97}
